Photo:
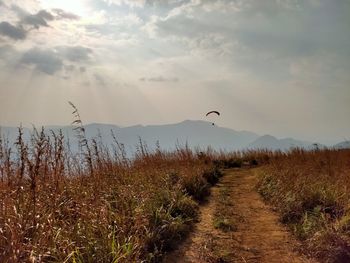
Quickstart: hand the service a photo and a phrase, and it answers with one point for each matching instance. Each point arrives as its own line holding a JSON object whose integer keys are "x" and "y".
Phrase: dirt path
{"x": 236, "y": 226}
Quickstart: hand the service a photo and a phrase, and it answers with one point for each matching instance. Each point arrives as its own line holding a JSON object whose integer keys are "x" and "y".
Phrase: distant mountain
{"x": 10, "y": 133}
{"x": 272, "y": 143}
{"x": 193, "y": 133}
{"x": 342, "y": 145}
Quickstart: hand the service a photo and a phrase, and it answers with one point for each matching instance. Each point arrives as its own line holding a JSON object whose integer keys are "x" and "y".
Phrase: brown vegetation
{"x": 311, "y": 190}
{"x": 99, "y": 206}
{"x": 96, "y": 205}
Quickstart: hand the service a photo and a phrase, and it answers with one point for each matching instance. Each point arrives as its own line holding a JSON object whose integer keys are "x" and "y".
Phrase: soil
{"x": 256, "y": 235}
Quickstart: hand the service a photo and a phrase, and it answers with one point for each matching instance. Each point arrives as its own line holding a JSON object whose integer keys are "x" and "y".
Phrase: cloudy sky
{"x": 270, "y": 66}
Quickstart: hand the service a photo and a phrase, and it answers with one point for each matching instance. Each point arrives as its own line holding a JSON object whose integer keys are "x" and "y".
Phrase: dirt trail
{"x": 257, "y": 235}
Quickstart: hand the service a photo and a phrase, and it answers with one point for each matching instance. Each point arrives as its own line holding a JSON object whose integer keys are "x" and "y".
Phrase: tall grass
{"x": 97, "y": 205}
{"x": 311, "y": 189}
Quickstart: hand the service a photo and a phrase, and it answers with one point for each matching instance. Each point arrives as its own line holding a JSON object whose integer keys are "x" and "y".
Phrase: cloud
{"x": 140, "y": 3}
{"x": 116, "y": 27}
{"x": 38, "y": 20}
{"x": 181, "y": 25}
{"x": 19, "y": 11}
{"x": 160, "y": 79}
{"x": 20, "y": 31}
{"x": 61, "y": 14}
{"x": 75, "y": 53}
{"x": 132, "y": 3}
{"x": 8, "y": 30}
{"x": 250, "y": 35}
{"x": 41, "y": 18}
{"x": 44, "y": 60}
{"x": 45, "y": 15}
{"x": 51, "y": 61}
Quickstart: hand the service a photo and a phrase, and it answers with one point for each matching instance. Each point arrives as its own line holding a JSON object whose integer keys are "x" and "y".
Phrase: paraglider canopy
{"x": 213, "y": 111}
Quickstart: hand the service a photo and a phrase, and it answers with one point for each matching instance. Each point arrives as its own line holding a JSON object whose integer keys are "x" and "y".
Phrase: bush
{"x": 213, "y": 175}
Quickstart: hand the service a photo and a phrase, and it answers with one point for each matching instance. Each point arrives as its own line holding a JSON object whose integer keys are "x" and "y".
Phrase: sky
{"x": 277, "y": 67}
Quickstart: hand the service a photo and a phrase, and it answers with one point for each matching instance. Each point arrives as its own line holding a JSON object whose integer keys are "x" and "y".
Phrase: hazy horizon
{"x": 278, "y": 67}
{"x": 311, "y": 140}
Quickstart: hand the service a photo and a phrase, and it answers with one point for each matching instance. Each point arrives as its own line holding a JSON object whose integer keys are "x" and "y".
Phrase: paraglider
{"x": 212, "y": 112}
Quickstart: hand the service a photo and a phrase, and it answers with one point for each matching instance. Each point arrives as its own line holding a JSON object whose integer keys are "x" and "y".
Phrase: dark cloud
{"x": 292, "y": 32}
{"x": 51, "y": 61}
{"x": 44, "y": 60}
{"x": 41, "y": 18}
{"x": 279, "y": 29}
{"x": 45, "y": 15}
{"x": 20, "y": 31}
{"x": 36, "y": 21}
{"x": 160, "y": 79}
{"x": 75, "y": 53}
{"x": 8, "y": 30}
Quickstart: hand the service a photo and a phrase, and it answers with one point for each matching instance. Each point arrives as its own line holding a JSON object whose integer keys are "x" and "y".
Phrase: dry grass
{"x": 96, "y": 206}
{"x": 311, "y": 190}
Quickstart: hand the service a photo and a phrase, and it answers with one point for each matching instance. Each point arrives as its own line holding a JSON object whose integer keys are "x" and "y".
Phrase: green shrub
{"x": 212, "y": 175}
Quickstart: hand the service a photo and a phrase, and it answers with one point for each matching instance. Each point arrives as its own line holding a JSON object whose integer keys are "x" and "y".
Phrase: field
{"x": 100, "y": 206}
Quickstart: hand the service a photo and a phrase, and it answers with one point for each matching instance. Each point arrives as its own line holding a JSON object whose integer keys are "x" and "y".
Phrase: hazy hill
{"x": 10, "y": 133}
{"x": 342, "y": 145}
{"x": 194, "y": 133}
{"x": 271, "y": 142}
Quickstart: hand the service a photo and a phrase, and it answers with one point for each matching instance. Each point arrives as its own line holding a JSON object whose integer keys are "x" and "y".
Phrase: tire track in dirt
{"x": 258, "y": 236}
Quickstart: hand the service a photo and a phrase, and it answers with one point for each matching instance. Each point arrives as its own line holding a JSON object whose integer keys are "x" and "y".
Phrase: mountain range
{"x": 192, "y": 133}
